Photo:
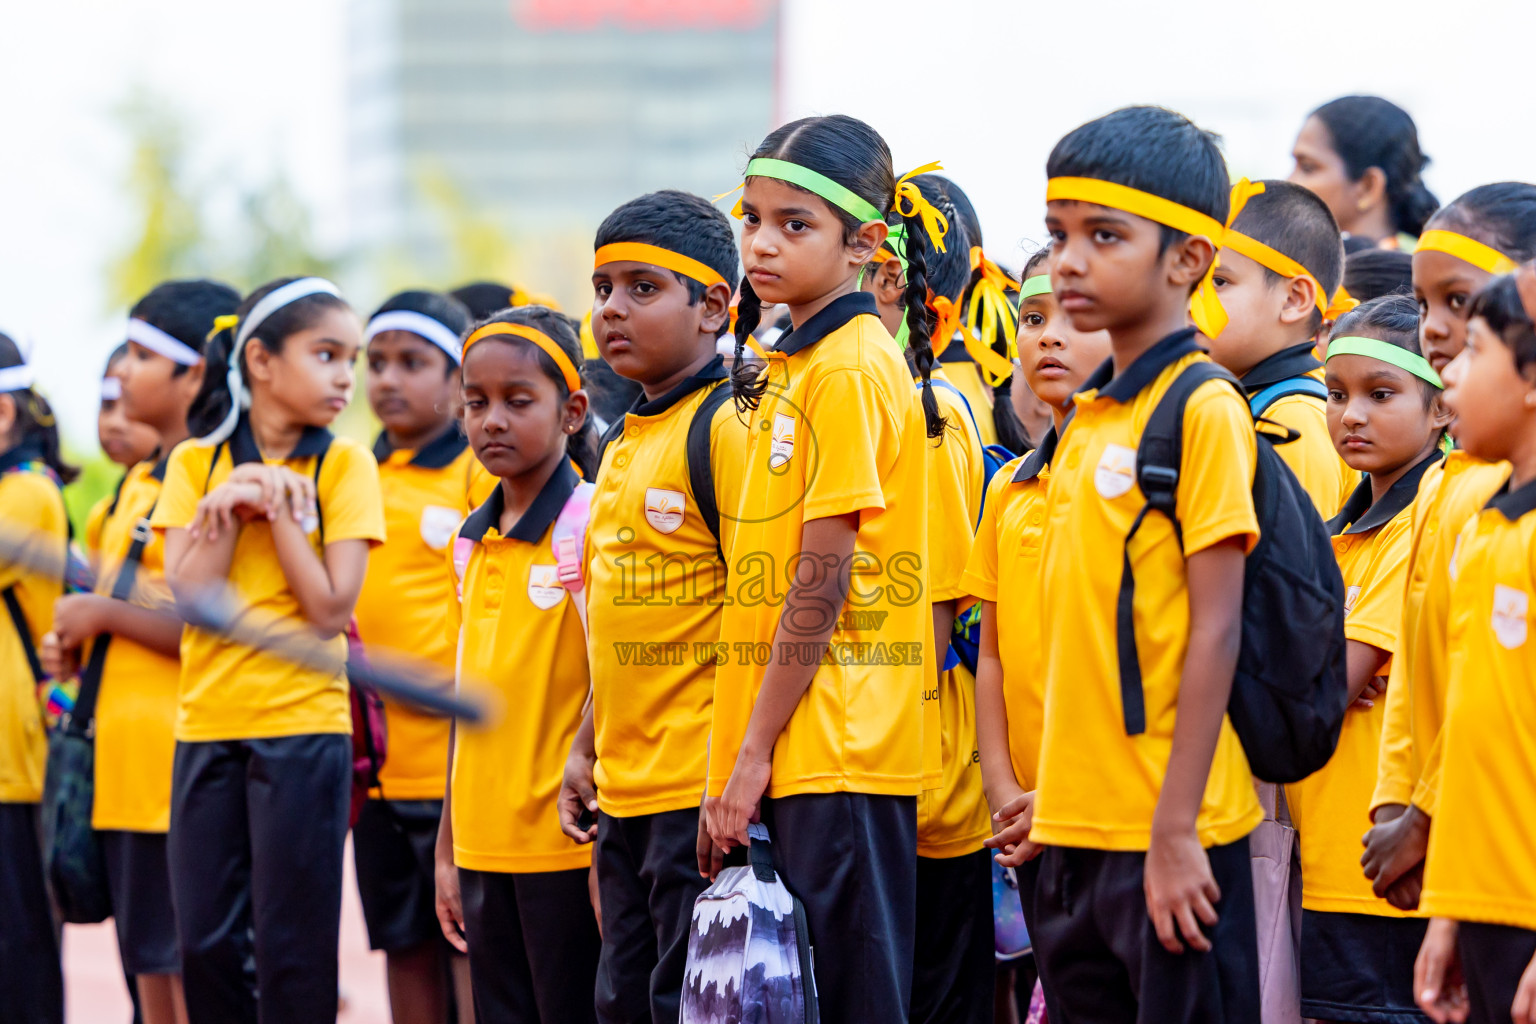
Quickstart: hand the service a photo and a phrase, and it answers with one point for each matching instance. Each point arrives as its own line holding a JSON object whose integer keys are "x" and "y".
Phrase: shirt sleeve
{"x": 857, "y": 437}
{"x": 980, "y": 578}
{"x": 1215, "y": 494}
{"x": 1312, "y": 456}
{"x": 95, "y": 521}
{"x": 183, "y": 487}
{"x": 31, "y": 507}
{"x": 1426, "y": 794}
{"x": 351, "y": 500}
{"x": 1377, "y": 614}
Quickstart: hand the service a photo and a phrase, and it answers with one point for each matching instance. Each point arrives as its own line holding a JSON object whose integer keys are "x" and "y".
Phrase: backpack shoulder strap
{"x": 319, "y": 509}
{"x": 701, "y": 472}
{"x": 23, "y": 631}
{"x": 1159, "y": 456}
{"x": 1260, "y": 402}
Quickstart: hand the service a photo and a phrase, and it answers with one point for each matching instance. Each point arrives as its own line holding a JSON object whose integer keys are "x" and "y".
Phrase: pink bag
{"x": 370, "y": 734}
{"x": 1277, "y": 907}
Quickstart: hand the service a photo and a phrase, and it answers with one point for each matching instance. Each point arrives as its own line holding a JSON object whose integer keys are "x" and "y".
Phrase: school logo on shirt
{"x": 1510, "y": 609}
{"x": 438, "y": 525}
{"x": 544, "y": 587}
{"x": 1116, "y": 471}
{"x": 664, "y": 508}
{"x": 1351, "y": 595}
{"x": 783, "y": 446}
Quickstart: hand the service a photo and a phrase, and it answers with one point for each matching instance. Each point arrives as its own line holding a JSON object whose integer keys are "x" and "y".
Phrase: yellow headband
{"x": 1469, "y": 250}
{"x": 1273, "y": 259}
{"x": 656, "y": 256}
{"x": 539, "y": 338}
{"x": 1205, "y": 306}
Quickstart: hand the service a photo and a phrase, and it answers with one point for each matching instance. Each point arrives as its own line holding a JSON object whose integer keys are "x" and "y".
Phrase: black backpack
{"x": 1290, "y": 691}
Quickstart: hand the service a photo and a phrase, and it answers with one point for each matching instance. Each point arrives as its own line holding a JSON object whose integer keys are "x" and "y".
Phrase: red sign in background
{"x": 642, "y": 15}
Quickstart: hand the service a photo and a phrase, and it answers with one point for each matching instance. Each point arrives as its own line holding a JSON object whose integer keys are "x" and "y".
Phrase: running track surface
{"x": 93, "y": 977}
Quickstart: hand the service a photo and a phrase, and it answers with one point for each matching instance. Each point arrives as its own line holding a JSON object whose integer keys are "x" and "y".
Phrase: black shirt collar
{"x": 1126, "y": 385}
{"x": 1038, "y": 459}
{"x": 314, "y": 441}
{"x": 20, "y": 455}
{"x": 437, "y": 453}
{"x": 1283, "y": 365}
{"x": 708, "y": 374}
{"x": 534, "y": 522}
{"x": 1358, "y": 514}
{"x": 836, "y": 313}
{"x": 1516, "y": 503}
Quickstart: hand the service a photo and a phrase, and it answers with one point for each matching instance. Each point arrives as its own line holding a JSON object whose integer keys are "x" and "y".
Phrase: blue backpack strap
{"x": 947, "y": 386}
{"x": 1260, "y": 402}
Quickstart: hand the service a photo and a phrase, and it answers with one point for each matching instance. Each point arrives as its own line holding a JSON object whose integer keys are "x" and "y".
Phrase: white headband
{"x": 435, "y": 331}
{"x": 157, "y": 341}
{"x": 111, "y": 389}
{"x": 239, "y": 397}
{"x": 16, "y": 378}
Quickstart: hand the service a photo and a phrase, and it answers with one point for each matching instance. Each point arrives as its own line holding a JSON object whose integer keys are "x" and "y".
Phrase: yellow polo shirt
{"x": 31, "y": 507}
{"x": 1098, "y": 787}
{"x": 1450, "y": 494}
{"x": 1322, "y": 472}
{"x": 655, "y": 593}
{"x": 952, "y": 818}
{"x": 136, "y": 706}
{"x": 427, "y": 493}
{"x": 230, "y": 691}
{"x": 839, "y": 431}
{"x": 1331, "y": 807}
{"x": 520, "y": 633}
{"x": 1482, "y": 864}
{"x": 1004, "y": 568}
{"x": 965, "y": 375}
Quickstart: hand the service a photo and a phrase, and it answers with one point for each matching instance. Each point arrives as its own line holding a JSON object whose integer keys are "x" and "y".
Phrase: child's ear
{"x": 7, "y": 414}
{"x": 258, "y": 361}
{"x": 575, "y": 412}
{"x": 1188, "y": 260}
{"x": 890, "y": 283}
{"x": 869, "y": 237}
{"x": 1440, "y": 415}
{"x": 715, "y": 309}
{"x": 191, "y": 382}
{"x": 1300, "y": 300}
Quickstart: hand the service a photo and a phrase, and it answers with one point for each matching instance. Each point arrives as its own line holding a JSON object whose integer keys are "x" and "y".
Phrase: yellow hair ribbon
{"x": 910, "y": 202}
{"x": 539, "y": 338}
{"x": 991, "y": 270}
{"x": 656, "y": 256}
{"x": 223, "y": 323}
{"x": 1205, "y": 305}
{"x": 1469, "y": 250}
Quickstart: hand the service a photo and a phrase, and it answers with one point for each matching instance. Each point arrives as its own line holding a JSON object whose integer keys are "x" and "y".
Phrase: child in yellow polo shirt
{"x": 954, "y": 961}
{"x": 1479, "y": 235}
{"x": 670, "y": 465}
{"x": 265, "y": 505}
{"x": 1387, "y": 421}
{"x": 818, "y": 717}
{"x": 430, "y": 482}
{"x": 1054, "y": 360}
{"x": 1144, "y": 904}
{"x": 512, "y": 891}
{"x": 1480, "y": 878}
{"x": 124, "y": 441}
{"x": 134, "y": 646}
{"x": 31, "y": 509}
{"x": 1278, "y": 269}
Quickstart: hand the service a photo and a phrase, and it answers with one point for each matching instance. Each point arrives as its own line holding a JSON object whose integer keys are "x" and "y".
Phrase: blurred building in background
{"x": 502, "y": 131}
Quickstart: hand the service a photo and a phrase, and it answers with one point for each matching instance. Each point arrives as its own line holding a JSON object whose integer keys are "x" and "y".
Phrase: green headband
{"x": 831, "y": 191}
{"x": 1375, "y": 348}
{"x": 1040, "y": 284}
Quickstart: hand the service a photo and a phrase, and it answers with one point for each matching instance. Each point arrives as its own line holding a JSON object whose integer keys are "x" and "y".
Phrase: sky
{"x": 987, "y": 89}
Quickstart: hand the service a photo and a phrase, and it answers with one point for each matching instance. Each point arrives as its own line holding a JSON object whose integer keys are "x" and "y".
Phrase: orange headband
{"x": 539, "y": 338}
{"x": 655, "y": 255}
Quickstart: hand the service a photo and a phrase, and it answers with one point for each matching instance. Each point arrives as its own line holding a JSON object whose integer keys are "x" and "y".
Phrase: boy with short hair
{"x": 1276, "y": 271}
{"x": 655, "y": 588}
{"x": 1144, "y": 825}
